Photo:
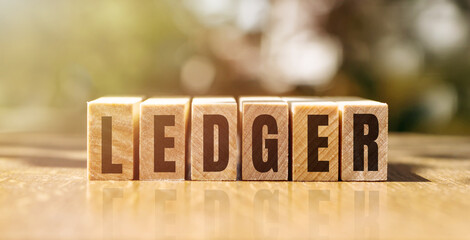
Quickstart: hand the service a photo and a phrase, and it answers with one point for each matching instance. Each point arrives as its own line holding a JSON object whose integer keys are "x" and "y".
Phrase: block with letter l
{"x": 113, "y": 138}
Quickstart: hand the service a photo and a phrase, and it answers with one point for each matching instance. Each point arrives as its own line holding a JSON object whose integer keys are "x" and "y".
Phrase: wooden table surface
{"x": 44, "y": 194}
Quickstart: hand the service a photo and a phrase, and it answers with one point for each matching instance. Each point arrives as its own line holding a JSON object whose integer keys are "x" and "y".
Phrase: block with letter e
{"x": 214, "y": 150}
{"x": 163, "y": 138}
{"x": 113, "y": 138}
{"x": 314, "y": 139}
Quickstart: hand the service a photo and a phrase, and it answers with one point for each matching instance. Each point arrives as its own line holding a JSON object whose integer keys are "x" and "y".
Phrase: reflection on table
{"x": 263, "y": 210}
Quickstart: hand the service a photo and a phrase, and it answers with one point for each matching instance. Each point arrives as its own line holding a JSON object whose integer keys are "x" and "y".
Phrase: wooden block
{"x": 163, "y": 138}
{"x": 314, "y": 139}
{"x": 264, "y": 127}
{"x": 113, "y": 138}
{"x": 364, "y": 139}
{"x": 214, "y": 151}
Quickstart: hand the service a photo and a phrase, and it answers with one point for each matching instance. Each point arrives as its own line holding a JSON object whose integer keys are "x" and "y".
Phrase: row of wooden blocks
{"x": 258, "y": 138}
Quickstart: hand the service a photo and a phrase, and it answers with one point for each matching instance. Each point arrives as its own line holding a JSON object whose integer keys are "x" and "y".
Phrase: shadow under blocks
{"x": 402, "y": 172}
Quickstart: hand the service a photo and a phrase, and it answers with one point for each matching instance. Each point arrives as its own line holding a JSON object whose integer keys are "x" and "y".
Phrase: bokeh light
{"x": 56, "y": 55}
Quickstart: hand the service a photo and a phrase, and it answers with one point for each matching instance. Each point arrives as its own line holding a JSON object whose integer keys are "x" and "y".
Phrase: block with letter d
{"x": 214, "y": 150}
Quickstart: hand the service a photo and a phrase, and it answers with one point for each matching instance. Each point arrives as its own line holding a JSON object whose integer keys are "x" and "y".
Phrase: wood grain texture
{"x": 211, "y": 118}
{"x": 163, "y": 138}
{"x": 350, "y": 111}
{"x": 116, "y": 157}
{"x": 45, "y": 194}
{"x": 265, "y": 115}
{"x": 319, "y": 119}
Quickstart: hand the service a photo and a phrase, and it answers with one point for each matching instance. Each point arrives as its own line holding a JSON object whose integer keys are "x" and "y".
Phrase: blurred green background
{"x": 56, "y": 55}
